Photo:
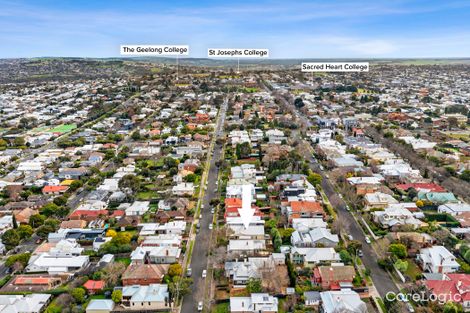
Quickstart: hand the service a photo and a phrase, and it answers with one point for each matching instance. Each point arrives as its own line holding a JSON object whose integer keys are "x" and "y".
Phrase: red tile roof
{"x": 50, "y": 189}
{"x": 90, "y": 213}
{"x": 456, "y": 288}
{"x": 306, "y": 206}
{"x": 94, "y": 284}
{"x": 233, "y": 203}
{"x": 419, "y": 186}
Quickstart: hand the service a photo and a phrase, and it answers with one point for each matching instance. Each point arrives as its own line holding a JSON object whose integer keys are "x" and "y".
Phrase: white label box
{"x": 335, "y": 67}
{"x": 237, "y": 53}
{"x": 154, "y": 50}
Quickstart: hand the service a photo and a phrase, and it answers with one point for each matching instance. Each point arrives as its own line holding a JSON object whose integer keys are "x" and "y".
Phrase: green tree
{"x": 354, "y": 246}
{"x": 121, "y": 238}
{"x": 116, "y": 296}
{"x": 180, "y": 285}
{"x": 11, "y": 238}
{"x": 314, "y": 178}
{"x": 60, "y": 201}
{"x": 190, "y": 178}
{"x": 254, "y": 285}
{"x": 22, "y": 258}
{"x": 52, "y": 209}
{"x": 19, "y": 141}
{"x": 345, "y": 256}
{"x": 243, "y": 150}
{"x": 452, "y": 307}
{"x": 175, "y": 269}
{"x": 465, "y": 175}
{"x": 3, "y": 143}
{"x": 398, "y": 250}
{"x": 25, "y": 231}
{"x": 401, "y": 265}
{"x": 36, "y": 220}
{"x": 78, "y": 294}
{"x": 76, "y": 184}
{"x": 130, "y": 182}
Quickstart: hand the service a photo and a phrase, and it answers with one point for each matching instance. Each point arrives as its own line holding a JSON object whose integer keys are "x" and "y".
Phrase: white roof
{"x": 100, "y": 304}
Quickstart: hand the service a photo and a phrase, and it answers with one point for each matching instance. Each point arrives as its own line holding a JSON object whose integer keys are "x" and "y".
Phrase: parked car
{"x": 211, "y": 226}
{"x": 212, "y": 211}
{"x": 199, "y": 306}
{"x": 350, "y": 237}
{"x": 189, "y": 272}
{"x": 368, "y": 239}
{"x": 204, "y": 273}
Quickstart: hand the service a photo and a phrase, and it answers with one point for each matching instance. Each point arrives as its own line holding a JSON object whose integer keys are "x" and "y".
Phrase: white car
{"x": 367, "y": 239}
{"x": 212, "y": 211}
{"x": 210, "y": 226}
{"x": 350, "y": 237}
{"x": 199, "y": 306}
{"x": 204, "y": 273}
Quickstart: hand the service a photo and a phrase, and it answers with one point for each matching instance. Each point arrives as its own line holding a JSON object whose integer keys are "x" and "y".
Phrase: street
{"x": 381, "y": 279}
{"x": 202, "y": 240}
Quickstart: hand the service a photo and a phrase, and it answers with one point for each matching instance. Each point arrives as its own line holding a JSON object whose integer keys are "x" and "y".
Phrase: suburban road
{"x": 381, "y": 279}
{"x": 202, "y": 241}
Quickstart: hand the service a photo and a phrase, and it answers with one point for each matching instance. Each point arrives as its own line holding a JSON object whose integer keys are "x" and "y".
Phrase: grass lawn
{"x": 64, "y": 128}
{"x": 126, "y": 261}
{"x": 221, "y": 308}
{"x": 413, "y": 269}
{"x": 97, "y": 297}
{"x": 250, "y": 90}
{"x": 146, "y": 195}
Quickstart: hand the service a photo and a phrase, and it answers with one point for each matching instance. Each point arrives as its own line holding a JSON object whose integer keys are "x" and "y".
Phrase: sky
{"x": 289, "y": 29}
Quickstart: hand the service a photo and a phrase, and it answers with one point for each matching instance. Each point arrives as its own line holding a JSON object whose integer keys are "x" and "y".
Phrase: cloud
{"x": 290, "y": 29}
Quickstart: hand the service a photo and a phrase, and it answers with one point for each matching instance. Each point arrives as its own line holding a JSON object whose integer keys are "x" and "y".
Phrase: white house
{"x": 138, "y": 208}
{"x": 183, "y": 189}
{"x": 454, "y": 209}
{"x": 313, "y": 256}
{"x": 57, "y": 264}
{"x": 32, "y": 303}
{"x": 437, "y": 259}
{"x": 257, "y": 302}
{"x": 151, "y": 297}
{"x": 345, "y": 300}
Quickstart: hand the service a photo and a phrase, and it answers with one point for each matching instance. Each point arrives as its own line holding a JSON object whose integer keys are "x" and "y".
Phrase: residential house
{"x": 31, "y": 303}
{"x": 378, "y": 200}
{"x": 396, "y": 216}
{"x": 313, "y": 256}
{"x": 437, "y": 259}
{"x": 316, "y": 237}
{"x": 256, "y": 303}
{"x": 100, "y": 306}
{"x": 57, "y": 264}
{"x": 151, "y": 297}
{"x": 183, "y": 189}
{"x": 451, "y": 288}
{"x": 144, "y": 274}
{"x": 333, "y": 277}
{"x": 454, "y": 209}
{"x": 347, "y": 301}
{"x": 138, "y": 208}
{"x": 94, "y": 286}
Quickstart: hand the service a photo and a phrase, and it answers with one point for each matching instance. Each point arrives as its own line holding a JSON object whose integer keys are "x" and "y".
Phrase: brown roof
{"x": 337, "y": 273}
{"x": 73, "y": 224}
{"x": 145, "y": 271}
